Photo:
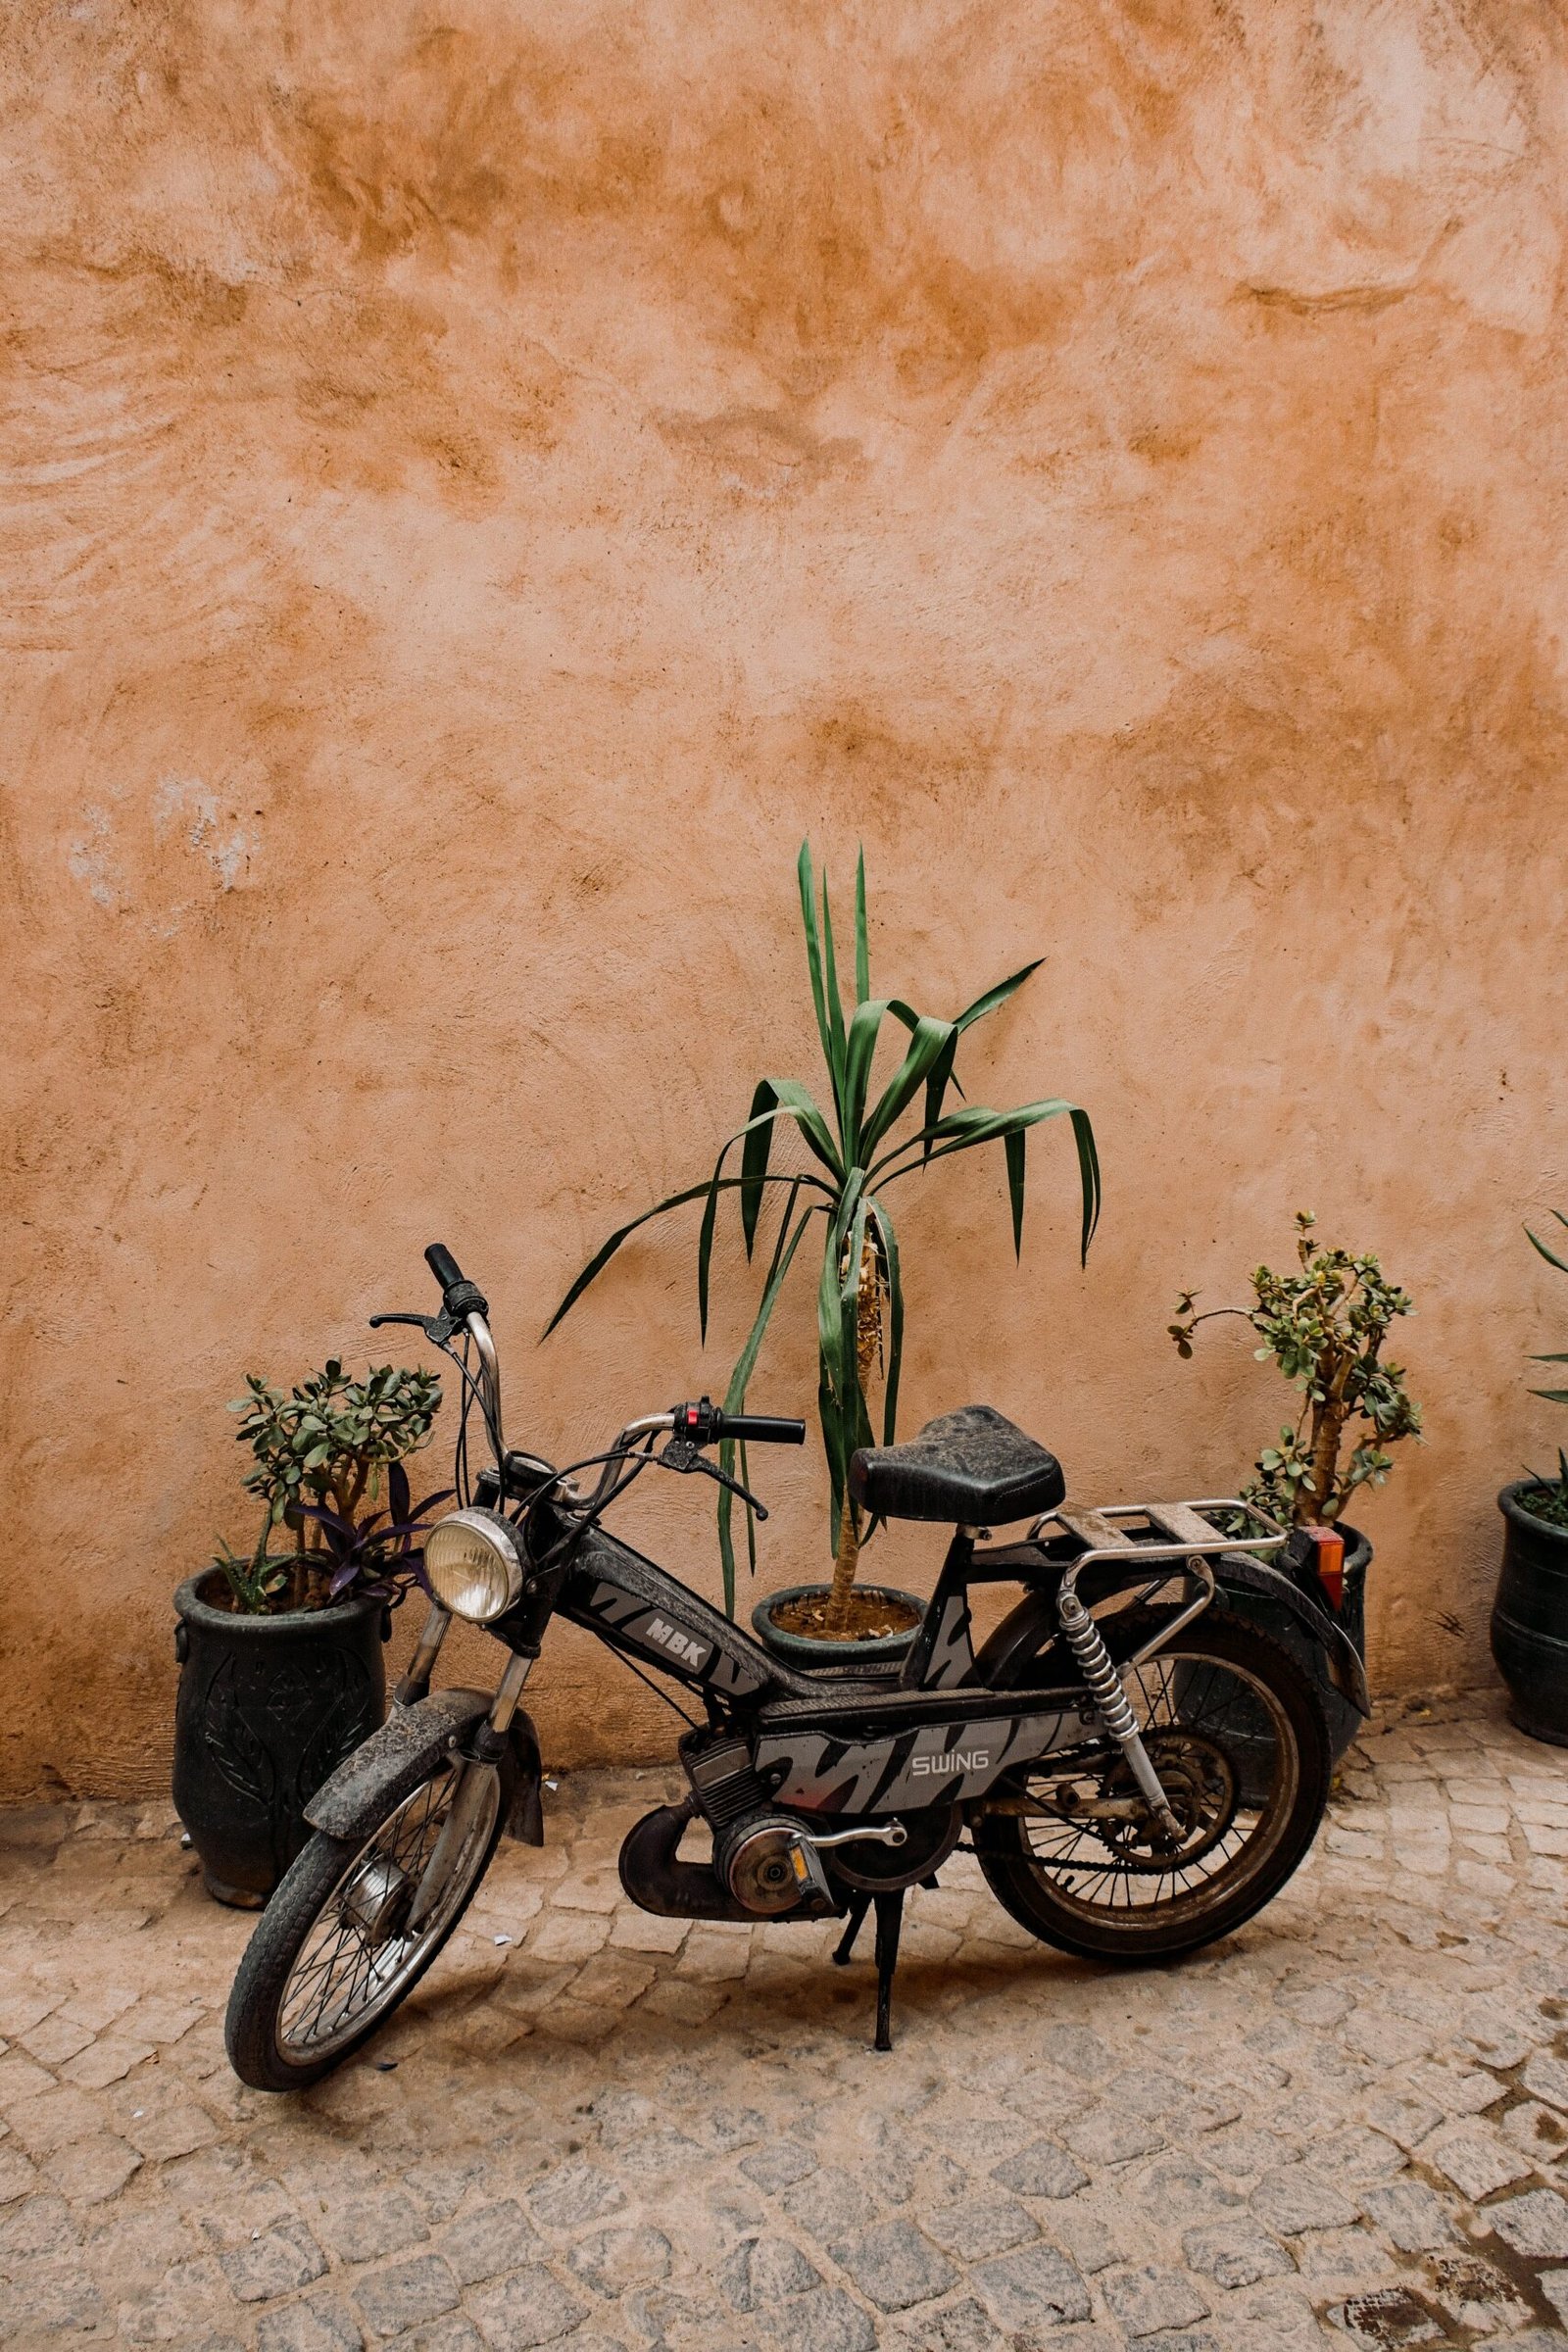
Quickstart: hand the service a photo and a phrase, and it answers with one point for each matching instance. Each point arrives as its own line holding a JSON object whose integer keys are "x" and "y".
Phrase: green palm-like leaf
{"x": 1016, "y": 1144}
{"x": 862, "y": 944}
{"x": 745, "y": 1365}
{"x": 787, "y": 1097}
{"x": 894, "y": 1345}
{"x": 835, "y": 1016}
{"x": 962, "y": 1130}
{"x": 859, "y": 1050}
{"x": 607, "y": 1249}
{"x": 929, "y": 1043}
{"x": 813, "y": 950}
{"x": 1551, "y": 1255}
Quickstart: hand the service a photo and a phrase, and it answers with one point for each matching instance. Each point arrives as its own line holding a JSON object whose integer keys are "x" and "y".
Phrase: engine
{"x": 761, "y": 1857}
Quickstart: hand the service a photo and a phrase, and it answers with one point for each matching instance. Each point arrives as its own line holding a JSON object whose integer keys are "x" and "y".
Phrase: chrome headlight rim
{"x": 462, "y": 1596}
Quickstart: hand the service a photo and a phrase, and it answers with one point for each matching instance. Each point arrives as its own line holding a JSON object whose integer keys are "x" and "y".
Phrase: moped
{"x": 1136, "y": 1765}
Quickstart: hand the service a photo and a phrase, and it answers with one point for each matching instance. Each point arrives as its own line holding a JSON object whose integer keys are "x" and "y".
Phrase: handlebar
{"x": 763, "y": 1429}
{"x": 443, "y": 1265}
{"x": 460, "y": 1296}
{"x": 708, "y": 1424}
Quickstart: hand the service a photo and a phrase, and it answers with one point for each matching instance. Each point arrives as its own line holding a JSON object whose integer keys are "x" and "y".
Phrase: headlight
{"x": 471, "y": 1561}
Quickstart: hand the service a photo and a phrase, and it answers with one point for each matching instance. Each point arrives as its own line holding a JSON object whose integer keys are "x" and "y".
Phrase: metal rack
{"x": 1188, "y": 1533}
{"x": 1189, "y": 1550}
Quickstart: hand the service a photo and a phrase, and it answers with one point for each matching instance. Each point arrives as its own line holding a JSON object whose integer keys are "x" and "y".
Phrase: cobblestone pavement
{"x": 1349, "y": 2123}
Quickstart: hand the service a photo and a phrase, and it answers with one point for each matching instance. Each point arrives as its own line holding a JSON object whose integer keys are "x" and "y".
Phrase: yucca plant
{"x": 860, "y": 1307}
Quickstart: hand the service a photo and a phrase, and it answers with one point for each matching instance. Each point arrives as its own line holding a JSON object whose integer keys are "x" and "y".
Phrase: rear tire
{"x": 1263, "y": 1746}
{"x": 300, "y": 2006}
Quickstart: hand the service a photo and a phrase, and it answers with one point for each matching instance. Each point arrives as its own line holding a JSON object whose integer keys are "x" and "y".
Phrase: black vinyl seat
{"x": 973, "y": 1468}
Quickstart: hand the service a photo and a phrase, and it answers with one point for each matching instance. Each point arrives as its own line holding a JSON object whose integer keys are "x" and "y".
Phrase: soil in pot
{"x": 1529, "y": 1619}
{"x": 871, "y": 1616}
{"x": 268, "y": 1708}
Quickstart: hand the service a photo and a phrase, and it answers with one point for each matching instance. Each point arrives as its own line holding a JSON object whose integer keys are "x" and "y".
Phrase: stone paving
{"x": 1347, "y": 2125}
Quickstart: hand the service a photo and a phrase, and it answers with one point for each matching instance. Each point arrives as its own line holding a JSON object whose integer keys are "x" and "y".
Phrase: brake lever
{"x": 681, "y": 1454}
{"x": 438, "y": 1329}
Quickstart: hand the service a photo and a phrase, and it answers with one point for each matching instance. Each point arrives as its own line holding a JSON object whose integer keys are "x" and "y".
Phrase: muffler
{"x": 657, "y": 1883}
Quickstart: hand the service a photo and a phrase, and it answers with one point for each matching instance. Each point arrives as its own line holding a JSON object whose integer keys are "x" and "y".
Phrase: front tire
{"x": 336, "y": 1950}
{"x": 1241, "y": 1730}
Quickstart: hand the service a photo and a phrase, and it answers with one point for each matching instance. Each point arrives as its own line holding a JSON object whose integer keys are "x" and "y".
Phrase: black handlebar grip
{"x": 763, "y": 1429}
{"x": 443, "y": 1265}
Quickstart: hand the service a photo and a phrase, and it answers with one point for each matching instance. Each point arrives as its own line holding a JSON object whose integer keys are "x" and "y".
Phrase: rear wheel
{"x": 1236, "y": 1735}
{"x": 353, "y": 1924}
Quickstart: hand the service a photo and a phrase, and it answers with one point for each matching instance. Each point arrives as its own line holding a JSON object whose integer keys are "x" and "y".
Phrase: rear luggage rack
{"x": 1156, "y": 1532}
{"x": 1172, "y": 1538}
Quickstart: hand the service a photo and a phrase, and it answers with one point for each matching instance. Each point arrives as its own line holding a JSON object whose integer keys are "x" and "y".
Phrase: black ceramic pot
{"x": 1529, "y": 1621}
{"x": 267, "y": 1708}
{"x": 809, "y": 1649}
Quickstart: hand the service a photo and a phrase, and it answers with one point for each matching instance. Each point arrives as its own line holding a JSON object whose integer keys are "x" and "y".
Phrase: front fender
{"x": 391, "y": 1764}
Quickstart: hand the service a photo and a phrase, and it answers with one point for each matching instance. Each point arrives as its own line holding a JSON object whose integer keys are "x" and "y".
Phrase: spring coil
{"x": 1088, "y": 1646}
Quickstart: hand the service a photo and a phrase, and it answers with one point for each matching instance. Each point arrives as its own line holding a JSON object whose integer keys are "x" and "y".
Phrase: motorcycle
{"x": 1137, "y": 1767}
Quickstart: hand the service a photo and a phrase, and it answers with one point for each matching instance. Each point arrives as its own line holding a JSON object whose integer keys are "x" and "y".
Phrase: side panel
{"x": 939, "y": 1765}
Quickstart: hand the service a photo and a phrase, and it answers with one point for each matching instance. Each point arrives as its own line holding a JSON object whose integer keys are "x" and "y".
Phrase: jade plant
{"x": 1547, "y": 1498}
{"x": 857, "y": 1158}
{"x": 323, "y": 1451}
{"x": 1324, "y": 1325}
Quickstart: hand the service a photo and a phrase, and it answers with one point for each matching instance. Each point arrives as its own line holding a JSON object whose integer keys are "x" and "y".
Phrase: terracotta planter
{"x": 805, "y": 1649}
{"x": 1530, "y": 1620}
{"x": 267, "y": 1708}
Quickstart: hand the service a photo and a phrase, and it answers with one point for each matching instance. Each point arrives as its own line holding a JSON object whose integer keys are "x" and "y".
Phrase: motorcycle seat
{"x": 973, "y": 1468}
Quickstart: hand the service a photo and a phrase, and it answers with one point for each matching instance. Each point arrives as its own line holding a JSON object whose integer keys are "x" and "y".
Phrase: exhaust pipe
{"x": 657, "y": 1883}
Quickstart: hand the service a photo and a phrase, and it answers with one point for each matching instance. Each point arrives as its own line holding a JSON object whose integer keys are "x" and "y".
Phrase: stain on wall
{"x": 481, "y": 482}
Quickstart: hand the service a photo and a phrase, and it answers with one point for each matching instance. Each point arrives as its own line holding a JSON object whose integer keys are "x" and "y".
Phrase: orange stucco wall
{"x": 482, "y": 482}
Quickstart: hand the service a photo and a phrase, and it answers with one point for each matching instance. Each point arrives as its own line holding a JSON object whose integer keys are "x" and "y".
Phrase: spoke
{"x": 343, "y": 1978}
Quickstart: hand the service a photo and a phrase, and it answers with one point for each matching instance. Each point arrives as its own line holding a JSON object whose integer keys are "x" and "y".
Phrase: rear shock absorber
{"x": 1097, "y": 1668}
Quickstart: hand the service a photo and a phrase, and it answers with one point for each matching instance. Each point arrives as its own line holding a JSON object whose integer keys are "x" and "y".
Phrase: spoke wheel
{"x": 353, "y": 1927}
{"x": 1236, "y": 1735}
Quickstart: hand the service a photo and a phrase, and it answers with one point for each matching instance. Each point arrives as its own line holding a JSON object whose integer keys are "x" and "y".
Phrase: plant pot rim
{"x": 808, "y": 1647}
{"x": 1511, "y": 1508}
{"x": 190, "y": 1607}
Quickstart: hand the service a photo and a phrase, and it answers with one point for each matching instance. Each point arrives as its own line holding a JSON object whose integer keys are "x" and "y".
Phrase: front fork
{"x": 475, "y": 1761}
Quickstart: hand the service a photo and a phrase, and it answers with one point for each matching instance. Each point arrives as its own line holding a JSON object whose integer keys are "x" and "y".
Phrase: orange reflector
{"x": 1329, "y": 1545}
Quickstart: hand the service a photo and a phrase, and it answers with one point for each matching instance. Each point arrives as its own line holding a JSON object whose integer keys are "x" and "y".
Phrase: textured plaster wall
{"x": 481, "y": 480}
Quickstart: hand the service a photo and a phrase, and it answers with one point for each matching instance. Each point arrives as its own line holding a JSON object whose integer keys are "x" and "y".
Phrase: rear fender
{"x": 1027, "y": 1629}
{"x": 388, "y": 1766}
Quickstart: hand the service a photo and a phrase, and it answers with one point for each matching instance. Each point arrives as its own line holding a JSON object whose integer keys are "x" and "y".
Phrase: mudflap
{"x": 388, "y": 1766}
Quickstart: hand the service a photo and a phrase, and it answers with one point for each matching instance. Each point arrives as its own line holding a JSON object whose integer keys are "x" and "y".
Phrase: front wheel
{"x": 1236, "y": 1735}
{"x": 355, "y": 1923}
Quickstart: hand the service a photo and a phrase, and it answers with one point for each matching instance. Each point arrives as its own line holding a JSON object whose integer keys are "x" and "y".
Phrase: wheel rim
{"x": 1230, "y": 1739}
{"x": 359, "y": 1953}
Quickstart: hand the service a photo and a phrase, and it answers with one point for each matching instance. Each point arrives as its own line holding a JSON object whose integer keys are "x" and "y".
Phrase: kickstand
{"x": 860, "y": 1906}
{"x": 889, "y": 1920}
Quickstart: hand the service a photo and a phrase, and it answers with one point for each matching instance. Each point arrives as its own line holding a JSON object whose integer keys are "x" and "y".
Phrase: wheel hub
{"x": 377, "y": 1900}
{"x": 1203, "y": 1790}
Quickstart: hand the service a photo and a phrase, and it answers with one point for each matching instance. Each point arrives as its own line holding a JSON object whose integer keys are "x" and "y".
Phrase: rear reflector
{"x": 1329, "y": 1549}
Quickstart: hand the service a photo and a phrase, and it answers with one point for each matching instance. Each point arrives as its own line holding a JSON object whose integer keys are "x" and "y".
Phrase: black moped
{"x": 1137, "y": 1767}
